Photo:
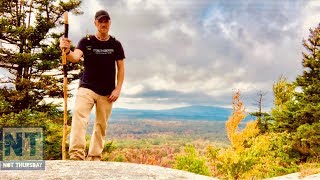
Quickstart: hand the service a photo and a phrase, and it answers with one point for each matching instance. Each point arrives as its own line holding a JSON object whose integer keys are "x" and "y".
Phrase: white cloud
{"x": 311, "y": 16}
{"x": 202, "y": 48}
{"x": 134, "y": 89}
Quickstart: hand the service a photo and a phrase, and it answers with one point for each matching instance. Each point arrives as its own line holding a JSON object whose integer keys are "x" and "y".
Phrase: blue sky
{"x": 188, "y": 52}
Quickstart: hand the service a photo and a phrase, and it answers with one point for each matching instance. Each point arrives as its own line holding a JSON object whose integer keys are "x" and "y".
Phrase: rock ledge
{"x": 59, "y": 169}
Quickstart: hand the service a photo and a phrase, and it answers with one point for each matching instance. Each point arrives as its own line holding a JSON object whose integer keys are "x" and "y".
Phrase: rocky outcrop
{"x": 295, "y": 176}
{"x": 100, "y": 170}
{"x": 116, "y": 171}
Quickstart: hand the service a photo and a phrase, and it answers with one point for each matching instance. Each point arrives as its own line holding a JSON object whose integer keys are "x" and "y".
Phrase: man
{"x": 102, "y": 54}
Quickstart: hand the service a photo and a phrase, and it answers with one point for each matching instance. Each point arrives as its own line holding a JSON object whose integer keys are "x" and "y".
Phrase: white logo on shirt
{"x": 103, "y": 51}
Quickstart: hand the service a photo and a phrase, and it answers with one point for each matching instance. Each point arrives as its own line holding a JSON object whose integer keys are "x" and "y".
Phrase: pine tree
{"x": 29, "y": 51}
{"x": 309, "y": 81}
{"x": 299, "y": 112}
{"x": 307, "y": 136}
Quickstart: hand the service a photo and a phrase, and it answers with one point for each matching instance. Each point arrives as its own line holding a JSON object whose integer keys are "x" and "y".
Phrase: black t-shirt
{"x": 100, "y": 63}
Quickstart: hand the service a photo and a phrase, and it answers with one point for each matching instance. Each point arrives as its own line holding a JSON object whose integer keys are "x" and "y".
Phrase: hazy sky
{"x": 198, "y": 52}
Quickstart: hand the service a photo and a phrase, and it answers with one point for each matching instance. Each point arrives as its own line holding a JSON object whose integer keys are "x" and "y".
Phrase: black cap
{"x": 100, "y": 14}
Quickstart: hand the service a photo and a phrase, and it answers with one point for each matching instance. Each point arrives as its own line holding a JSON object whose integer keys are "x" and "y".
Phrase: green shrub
{"x": 120, "y": 158}
{"x": 307, "y": 140}
{"x": 191, "y": 161}
{"x": 50, "y": 124}
{"x": 109, "y": 147}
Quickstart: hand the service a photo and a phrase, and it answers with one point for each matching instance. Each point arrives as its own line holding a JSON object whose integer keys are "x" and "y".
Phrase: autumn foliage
{"x": 237, "y": 138}
{"x": 161, "y": 156}
{"x": 251, "y": 154}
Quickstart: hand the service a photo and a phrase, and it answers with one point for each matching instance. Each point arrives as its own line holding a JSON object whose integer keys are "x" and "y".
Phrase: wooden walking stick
{"x": 65, "y": 89}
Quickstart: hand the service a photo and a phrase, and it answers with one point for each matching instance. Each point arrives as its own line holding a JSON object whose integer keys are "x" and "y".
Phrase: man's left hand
{"x": 114, "y": 95}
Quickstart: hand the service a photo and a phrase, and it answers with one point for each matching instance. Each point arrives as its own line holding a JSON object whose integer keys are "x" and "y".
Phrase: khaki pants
{"x": 85, "y": 101}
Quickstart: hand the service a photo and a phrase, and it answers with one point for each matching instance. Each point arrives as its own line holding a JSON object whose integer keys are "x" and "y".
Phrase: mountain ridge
{"x": 194, "y": 112}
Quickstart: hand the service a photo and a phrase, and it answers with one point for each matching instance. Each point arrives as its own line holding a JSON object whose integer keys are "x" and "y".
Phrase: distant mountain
{"x": 203, "y": 113}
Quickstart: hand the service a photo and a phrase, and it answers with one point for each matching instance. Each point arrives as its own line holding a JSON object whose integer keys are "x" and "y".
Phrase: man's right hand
{"x": 65, "y": 44}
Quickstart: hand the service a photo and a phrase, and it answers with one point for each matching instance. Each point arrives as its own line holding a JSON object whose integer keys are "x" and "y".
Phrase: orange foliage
{"x": 238, "y": 138}
{"x": 163, "y": 156}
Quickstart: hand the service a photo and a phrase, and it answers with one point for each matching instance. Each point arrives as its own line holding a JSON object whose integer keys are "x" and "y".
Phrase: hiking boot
{"x": 75, "y": 159}
{"x": 93, "y": 158}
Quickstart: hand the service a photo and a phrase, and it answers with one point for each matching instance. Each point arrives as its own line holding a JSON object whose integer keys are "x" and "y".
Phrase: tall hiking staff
{"x": 65, "y": 89}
